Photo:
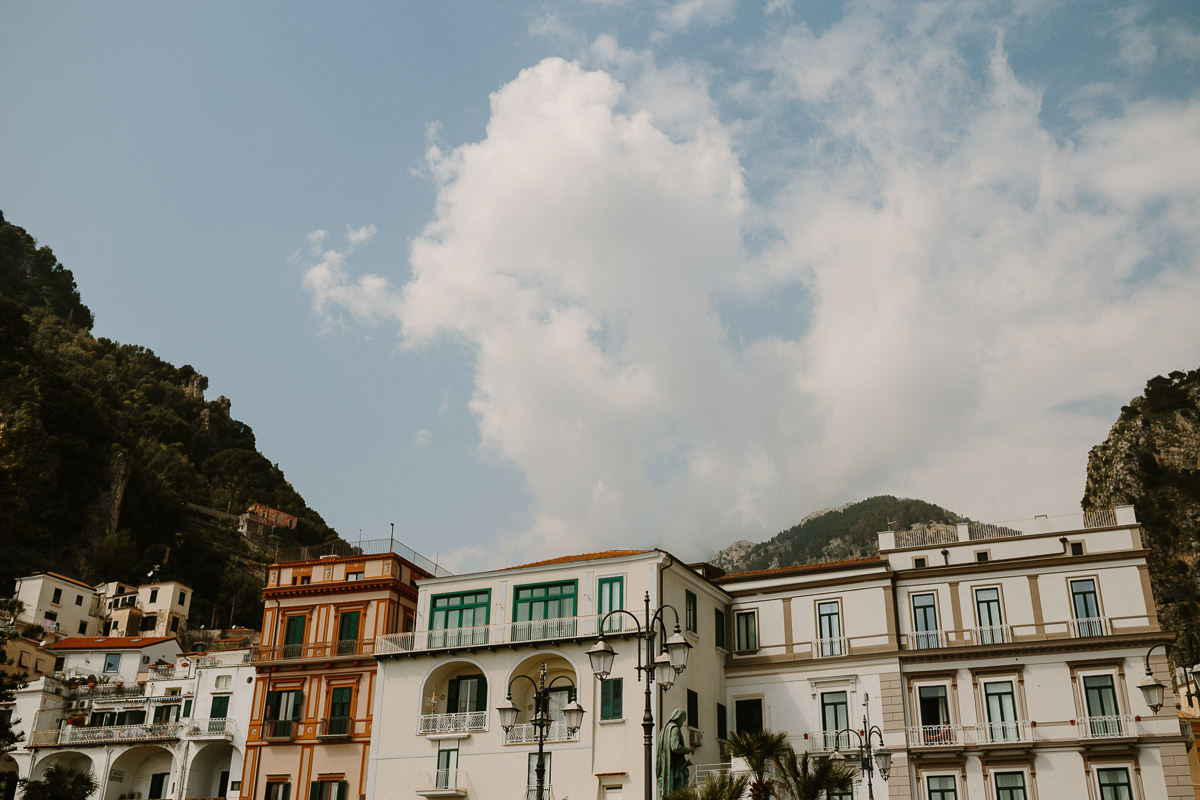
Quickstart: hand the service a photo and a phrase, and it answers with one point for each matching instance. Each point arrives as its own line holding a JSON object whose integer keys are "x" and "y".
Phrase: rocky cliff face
{"x": 1151, "y": 459}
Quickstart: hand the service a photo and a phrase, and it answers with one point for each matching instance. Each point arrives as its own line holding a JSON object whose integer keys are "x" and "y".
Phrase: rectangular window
{"x": 347, "y": 643}
{"x": 942, "y": 787}
{"x": 338, "y": 723}
{"x": 1114, "y": 784}
{"x": 459, "y": 619}
{"x": 1085, "y": 603}
{"x": 278, "y": 790}
{"x": 187, "y": 709}
{"x": 354, "y": 576}
{"x": 166, "y": 713}
{"x": 282, "y": 709}
{"x": 224, "y": 681}
{"x": 934, "y": 710}
{"x": 1001, "y": 711}
{"x": 689, "y": 611}
{"x": 1100, "y": 694}
{"x": 293, "y": 636}
{"x": 611, "y": 698}
{"x": 51, "y": 616}
{"x": 447, "y": 769}
{"x": 78, "y": 599}
{"x": 835, "y": 716}
{"x": 747, "y": 631}
{"x": 83, "y": 629}
{"x": 981, "y": 556}
{"x": 1076, "y": 548}
{"x": 693, "y": 709}
{"x": 465, "y": 694}
{"x": 722, "y": 722}
{"x": 829, "y": 618}
{"x": 544, "y": 611}
{"x": 57, "y": 597}
{"x": 154, "y": 595}
{"x": 612, "y": 598}
{"x": 329, "y": 790}
{"x": 532, "y": 773}
{"x": 183, "y": 598}
{"x": 1010, "y": 786}
{"x": 749, "y": 715}
{"x": 719, "y": 627}
{"x": 925, "y": 622}
{"x": 919, "y": 563}
{"x": 219, "y": 708}
{"x": 112, "y": 662}
{"x": 987, "y": 611}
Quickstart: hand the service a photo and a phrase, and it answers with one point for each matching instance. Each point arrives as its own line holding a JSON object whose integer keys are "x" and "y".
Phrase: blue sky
{"x": 531, "y": 278}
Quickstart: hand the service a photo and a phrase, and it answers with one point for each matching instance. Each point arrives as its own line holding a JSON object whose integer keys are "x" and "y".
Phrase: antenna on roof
{"x": 891, "y": 523}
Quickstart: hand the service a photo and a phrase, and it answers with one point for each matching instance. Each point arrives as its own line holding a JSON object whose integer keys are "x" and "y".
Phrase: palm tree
{"x": 814, "y": 778}
{"x": 760, "y": 750}
{"x": 721, "y": 786}
{"x": 61, "y": 783}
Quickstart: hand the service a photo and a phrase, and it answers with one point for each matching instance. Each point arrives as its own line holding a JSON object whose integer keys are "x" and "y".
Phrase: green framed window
{"x": 293, "y": 636}
{"x": 1010, "y": 786}
{"x": 1114, "y": 784}
{"x": 278, "y": 790}
{"x": 219, "y": 708}
{"x": 545, "y": 610}
{"x": 459, "y": 620}
{"x": 719, "y": 627}
{"x": 747, "y": 630}
{"x": 611, "y": 596}
{"x": 347, "y": 642}
{"x": 693, "y": 709}
{"x": 329, "y": 790}
{"x": 611, "y": 696}
{"x": 689, "y": 611}
{"x": 942, "y": 787}
{"x": 466, "y": 693}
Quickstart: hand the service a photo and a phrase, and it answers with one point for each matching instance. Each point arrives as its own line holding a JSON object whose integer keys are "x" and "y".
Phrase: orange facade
{"x": 310, "y": 727}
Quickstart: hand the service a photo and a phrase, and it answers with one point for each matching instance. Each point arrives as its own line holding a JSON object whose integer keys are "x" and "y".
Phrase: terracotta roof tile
{"x": 66, "y": 578}
{"x": 583, "y": 557}
{"x": 801, "y": 568}
{"x": 107, "y": 642}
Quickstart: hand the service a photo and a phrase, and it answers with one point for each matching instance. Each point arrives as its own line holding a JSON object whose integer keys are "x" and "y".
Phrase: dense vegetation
{"x": 847, "y": 532}
{"x": 1151, "y": 459}
{"x": 104, "y": 445}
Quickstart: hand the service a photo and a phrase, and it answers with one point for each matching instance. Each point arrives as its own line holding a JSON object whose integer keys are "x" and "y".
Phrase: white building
{"x": 162, "y": 725}
{"x": 436, "y": 728}
{"x": 152, "y": 609}
{"x": 59, "y": 604}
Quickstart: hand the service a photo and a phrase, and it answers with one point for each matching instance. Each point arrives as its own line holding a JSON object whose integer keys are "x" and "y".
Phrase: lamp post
{"x": 1153, "y": 690}
{"x": 541, "y": 717}
{"x": 661, "y": 669}
{"x": 882, "y": 756}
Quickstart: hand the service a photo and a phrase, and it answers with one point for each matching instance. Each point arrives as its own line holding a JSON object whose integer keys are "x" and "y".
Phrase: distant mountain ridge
{"x": 103, "y": 446}
{"x": 834, "y": 534}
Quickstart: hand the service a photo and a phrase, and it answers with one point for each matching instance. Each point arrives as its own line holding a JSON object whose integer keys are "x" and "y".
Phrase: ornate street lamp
{"x": 1154, "y": 691}
{"x": 871, "y": 758}
{"x": 671, "y": 660}
{"x": 572, "y": 715}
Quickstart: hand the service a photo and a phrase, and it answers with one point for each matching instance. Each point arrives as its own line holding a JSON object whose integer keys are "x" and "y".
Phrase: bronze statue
{"x": 672, "y": 751}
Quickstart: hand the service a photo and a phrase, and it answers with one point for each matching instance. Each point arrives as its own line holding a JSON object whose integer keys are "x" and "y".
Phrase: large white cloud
{"x": 975, "y": 284}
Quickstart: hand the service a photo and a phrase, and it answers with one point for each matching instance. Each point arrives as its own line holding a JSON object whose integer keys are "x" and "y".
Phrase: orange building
{"x": 324, "y": 606}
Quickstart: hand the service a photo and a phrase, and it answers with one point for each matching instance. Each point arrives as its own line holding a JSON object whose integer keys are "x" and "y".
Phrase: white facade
{"x": 421, "y": 745}
{"x": 178, "y": 732}
{"x": 59, "y": 604}
{"x": 152, "y": 609}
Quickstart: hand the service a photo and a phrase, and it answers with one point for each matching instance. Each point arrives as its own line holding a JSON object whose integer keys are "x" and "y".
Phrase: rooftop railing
{"x": 105, "y": 691}
{"x": 373, "y": 547}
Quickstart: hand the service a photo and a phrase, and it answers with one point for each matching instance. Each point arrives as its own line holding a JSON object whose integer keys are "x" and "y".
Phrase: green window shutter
{"x": 481, "y": 695}
{"x": 452, "y": 697}
{"x": 285, "y": 793}
{"x": 617, "y": 692}
{"x": 343, "y": 789}
{"x": 271, "y": 711}
{"x": 314, "y": 791}
{"x": 220, "y": 707}
{"x": 719, "y": 622}
{"x": 187, "y": 708}
{"x": 297, "y": 706}
{"x": 606, "y": 691}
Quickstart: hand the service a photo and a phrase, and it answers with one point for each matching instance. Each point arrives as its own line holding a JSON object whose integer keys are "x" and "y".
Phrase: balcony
{"x": 278, "y": 730}
{"x": 467, "y": 722}
{"x": 828, "y": 741}
{"x": 167, "y": 672}
{"x": 501, "y": 633}
{"x": 1003, "y": 733}
{"x": 1116, "y": 726}
{"x": 935, "y": 736}
{"x": 442, "y": 783}
{"x": 81, "y": 736}
{"x": 341, "y": 728}
{"x": 527, "y": 734}
{"x": 829, "y": 648}
{"x": 991, "y": 634}
{"x": 319, "y": 651}
{"x": 107, "y": 691}
{"x": 1089, "y": 627}
{"x": 218, "y": 728}
{"x": 926, "y": 640}
{"x": 44, "y": 738}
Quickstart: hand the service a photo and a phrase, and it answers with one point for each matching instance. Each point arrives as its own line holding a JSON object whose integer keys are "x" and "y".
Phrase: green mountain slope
{"x": 848, "y": 531}
{"x": 104, "y": 445}
{"x": 1151, "y": 459}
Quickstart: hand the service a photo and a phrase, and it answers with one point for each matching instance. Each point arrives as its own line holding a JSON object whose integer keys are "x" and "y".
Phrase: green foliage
{"x": 808, "y": 778}
{"x": 61, "y": 783}
{"x": 721, "y": 786}
{"x": 849, "y": 533}
{"x": 760, "y": 750}
{"x": 104, "y": 445}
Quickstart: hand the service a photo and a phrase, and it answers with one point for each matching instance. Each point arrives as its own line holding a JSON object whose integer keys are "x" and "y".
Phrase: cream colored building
{"x": 437, "y": 732}
{"x": 59, "y": 604}
{"x": 152, "y": 609}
